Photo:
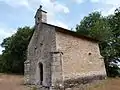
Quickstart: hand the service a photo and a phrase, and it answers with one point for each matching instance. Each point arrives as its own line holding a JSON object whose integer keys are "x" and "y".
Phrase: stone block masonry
{"x": 60, "y": 59}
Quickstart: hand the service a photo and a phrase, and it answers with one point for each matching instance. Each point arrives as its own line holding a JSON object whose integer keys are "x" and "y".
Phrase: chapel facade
{"x": 58, "y": 57}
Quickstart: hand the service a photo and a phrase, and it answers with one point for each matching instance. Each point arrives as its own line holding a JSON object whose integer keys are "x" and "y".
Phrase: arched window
{"x": 41, "y": 72}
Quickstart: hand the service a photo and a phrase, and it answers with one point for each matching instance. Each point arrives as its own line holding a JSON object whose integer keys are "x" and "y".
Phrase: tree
{"x": 87, "y": 23}
{"x": 107, "y": 31}
{"x": 115, "y": 25}
{"x": 95, "y": 26}
{"x": 14, "y": 55}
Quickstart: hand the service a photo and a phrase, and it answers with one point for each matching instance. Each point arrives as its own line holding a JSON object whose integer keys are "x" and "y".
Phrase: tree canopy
{"x": 107, "y": 31}
{"x": 14, "y": 55}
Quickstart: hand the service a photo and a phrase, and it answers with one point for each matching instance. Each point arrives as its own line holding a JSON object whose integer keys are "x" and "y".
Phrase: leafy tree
{"x": 107, "y": 31}
{"x": 14, "y": 55}
{"x": 87, "y": 23}
{"x": 115, "y": 25}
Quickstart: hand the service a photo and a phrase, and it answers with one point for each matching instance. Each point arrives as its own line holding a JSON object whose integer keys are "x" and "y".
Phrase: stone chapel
{"x": 58, "y": 57}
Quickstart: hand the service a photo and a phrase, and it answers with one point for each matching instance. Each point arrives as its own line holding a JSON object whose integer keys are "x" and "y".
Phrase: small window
{"x": 89, "y": 53}
{"x": 41, "y": 72}
{"x": 38, "y": 18}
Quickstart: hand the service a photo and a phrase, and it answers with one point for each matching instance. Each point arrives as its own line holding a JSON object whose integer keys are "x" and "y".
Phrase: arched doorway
{"x": 41, "y": 72}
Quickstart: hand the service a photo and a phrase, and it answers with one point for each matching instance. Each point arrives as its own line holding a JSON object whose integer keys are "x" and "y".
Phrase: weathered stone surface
{"x": 63, "y": 58}
{"x": 42, "y": 54}
{"x": 76, "y": 60}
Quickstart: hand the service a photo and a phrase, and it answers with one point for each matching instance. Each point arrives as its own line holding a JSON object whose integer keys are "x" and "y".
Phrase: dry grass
{"x": 15, "y": 82}
{"x": 11, "y": 82}
{"x": 108, "y": 84}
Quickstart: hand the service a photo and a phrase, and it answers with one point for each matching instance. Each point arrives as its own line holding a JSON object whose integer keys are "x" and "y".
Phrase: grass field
{"x": 108, "y": 84}
{"x": 11, "y": 82}
{"x": 15, "y": 82}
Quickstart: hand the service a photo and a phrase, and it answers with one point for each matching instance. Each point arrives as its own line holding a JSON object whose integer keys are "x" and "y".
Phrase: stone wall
{"x": 39, "y": 52}
{"x": 45, "y": 44}
{"x": 81, "y": 57}
{"x": 56, "y": 69}
{"x": 28, "y": 69}
{"x": 65, "y": 58}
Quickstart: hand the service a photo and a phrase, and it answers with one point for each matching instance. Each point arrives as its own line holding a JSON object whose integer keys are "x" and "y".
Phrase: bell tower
{"x": 41, "y": 16}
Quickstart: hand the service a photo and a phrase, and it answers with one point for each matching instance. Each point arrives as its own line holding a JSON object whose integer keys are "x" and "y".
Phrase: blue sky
{"x": 64, "y": 13}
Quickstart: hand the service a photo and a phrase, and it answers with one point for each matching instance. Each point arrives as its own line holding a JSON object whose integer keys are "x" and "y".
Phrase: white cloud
{"x": 16, "y": 3}
{"x": 53, "y": 21}
{"x": 4, "y": 33}
{"x": 94, "y": 1}
{"x": 109, "y": 6}
{"x": 60, "y": 8}
{"x": 78, "y": 1}
{"x": 107, "y": 12}
{"x": 54, "y": 8}
{"x": 111, "y": 2}
{"x": 115, "y": 4}
{"x": 51, "y": 6}
{"x": 61, "y": 24}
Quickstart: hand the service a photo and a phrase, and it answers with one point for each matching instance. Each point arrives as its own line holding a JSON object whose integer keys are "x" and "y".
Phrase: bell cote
{"x": 41, "y": 16}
